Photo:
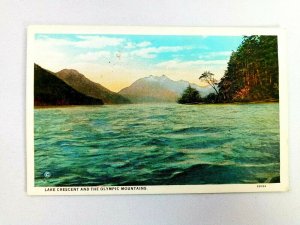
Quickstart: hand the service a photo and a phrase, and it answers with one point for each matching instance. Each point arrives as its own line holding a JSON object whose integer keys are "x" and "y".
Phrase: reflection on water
{"x": 159, "y": 144}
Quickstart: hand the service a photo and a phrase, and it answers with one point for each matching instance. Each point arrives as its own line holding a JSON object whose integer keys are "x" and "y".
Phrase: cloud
{"x": 50, "y": 43}
{"x": 131, "y": 45}
{"x": 87, "y": 41}
{"x": 143, "y": 44}
{"x": 210, "y": 55}
{"x": 151, "y": 52}
{"x": 97, "y": 41}
{"x": 55, "y": 52}
{"x": 178, "y": 64}
{"x": 94, "y": 56}
{"x": 48, "y": 54}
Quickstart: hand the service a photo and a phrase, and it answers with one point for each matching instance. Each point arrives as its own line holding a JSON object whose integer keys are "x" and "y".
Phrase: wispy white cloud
{"x": 143, "y": 44}
{"x": 151, "y": 52}
{"x": 50, "y": 43}
{"x": 94, "y": 42}
{"x": 178, "y": 64}
{"x": 48, "y": 53}
{"x": 131, "y": 45}
{"x": 97, "y": 42}
{"x": 93, "y": 56}
{"x": 211, "y": 55}
{"x": 55, "y": 53}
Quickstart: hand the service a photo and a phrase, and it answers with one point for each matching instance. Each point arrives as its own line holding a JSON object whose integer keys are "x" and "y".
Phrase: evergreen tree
{"x": 189, "y": 96}
{"x": 252, "y": 71}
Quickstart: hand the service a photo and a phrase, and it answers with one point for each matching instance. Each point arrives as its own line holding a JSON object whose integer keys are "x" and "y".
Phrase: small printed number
{"x": 261, "y": 186}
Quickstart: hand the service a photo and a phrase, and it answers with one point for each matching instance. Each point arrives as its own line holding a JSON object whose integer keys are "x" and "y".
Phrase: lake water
{"x": 159, "y": 144}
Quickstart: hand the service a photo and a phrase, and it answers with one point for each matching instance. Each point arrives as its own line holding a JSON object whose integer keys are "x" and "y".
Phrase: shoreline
{"x": 200, "y": 103}
{"x": 60, "y": 106}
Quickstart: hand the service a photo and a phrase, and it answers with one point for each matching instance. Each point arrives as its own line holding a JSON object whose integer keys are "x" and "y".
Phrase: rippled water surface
{"x": 159, "y": 144}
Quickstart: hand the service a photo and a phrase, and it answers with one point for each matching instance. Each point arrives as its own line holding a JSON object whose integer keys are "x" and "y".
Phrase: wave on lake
{"x": 159, "y": 144}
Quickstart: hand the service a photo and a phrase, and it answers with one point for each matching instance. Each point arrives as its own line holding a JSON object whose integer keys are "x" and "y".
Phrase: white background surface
{"x": 244, "y": 208}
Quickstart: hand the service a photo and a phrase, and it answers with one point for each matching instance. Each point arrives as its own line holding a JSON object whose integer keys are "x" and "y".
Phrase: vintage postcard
{"x": 154, "y": 110}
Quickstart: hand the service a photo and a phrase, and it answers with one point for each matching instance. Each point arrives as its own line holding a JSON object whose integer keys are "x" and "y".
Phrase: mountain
{"x": 50, "y": 90}
{"x": 80, "y": 83}
{"x": 159, "y": 89}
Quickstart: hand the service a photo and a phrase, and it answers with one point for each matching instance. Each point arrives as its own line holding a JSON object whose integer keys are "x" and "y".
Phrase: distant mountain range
{"x": 159, "y": 89}
{"x": 69, "y": 87}
{"x": 49, "y": 90}
{"x": 87, "y": 87}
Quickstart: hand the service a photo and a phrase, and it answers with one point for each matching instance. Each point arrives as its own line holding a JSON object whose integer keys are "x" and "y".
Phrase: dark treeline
{"x": 251, "y": 75}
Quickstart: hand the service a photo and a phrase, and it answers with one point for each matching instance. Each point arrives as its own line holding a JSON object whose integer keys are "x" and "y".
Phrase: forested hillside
{"x": 87, "y": 87}
{"x": 252, "y": 72}
{"x": 49, "y": 90}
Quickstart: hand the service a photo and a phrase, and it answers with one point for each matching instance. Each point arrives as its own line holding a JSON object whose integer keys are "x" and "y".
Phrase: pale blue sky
{"x": 116, "y": 61}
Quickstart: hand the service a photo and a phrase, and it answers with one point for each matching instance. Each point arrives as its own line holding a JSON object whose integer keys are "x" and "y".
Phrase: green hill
{"x": 252, "y": 72}
{"x": 80, "y": 83}
{"x": 49, "y": 90}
